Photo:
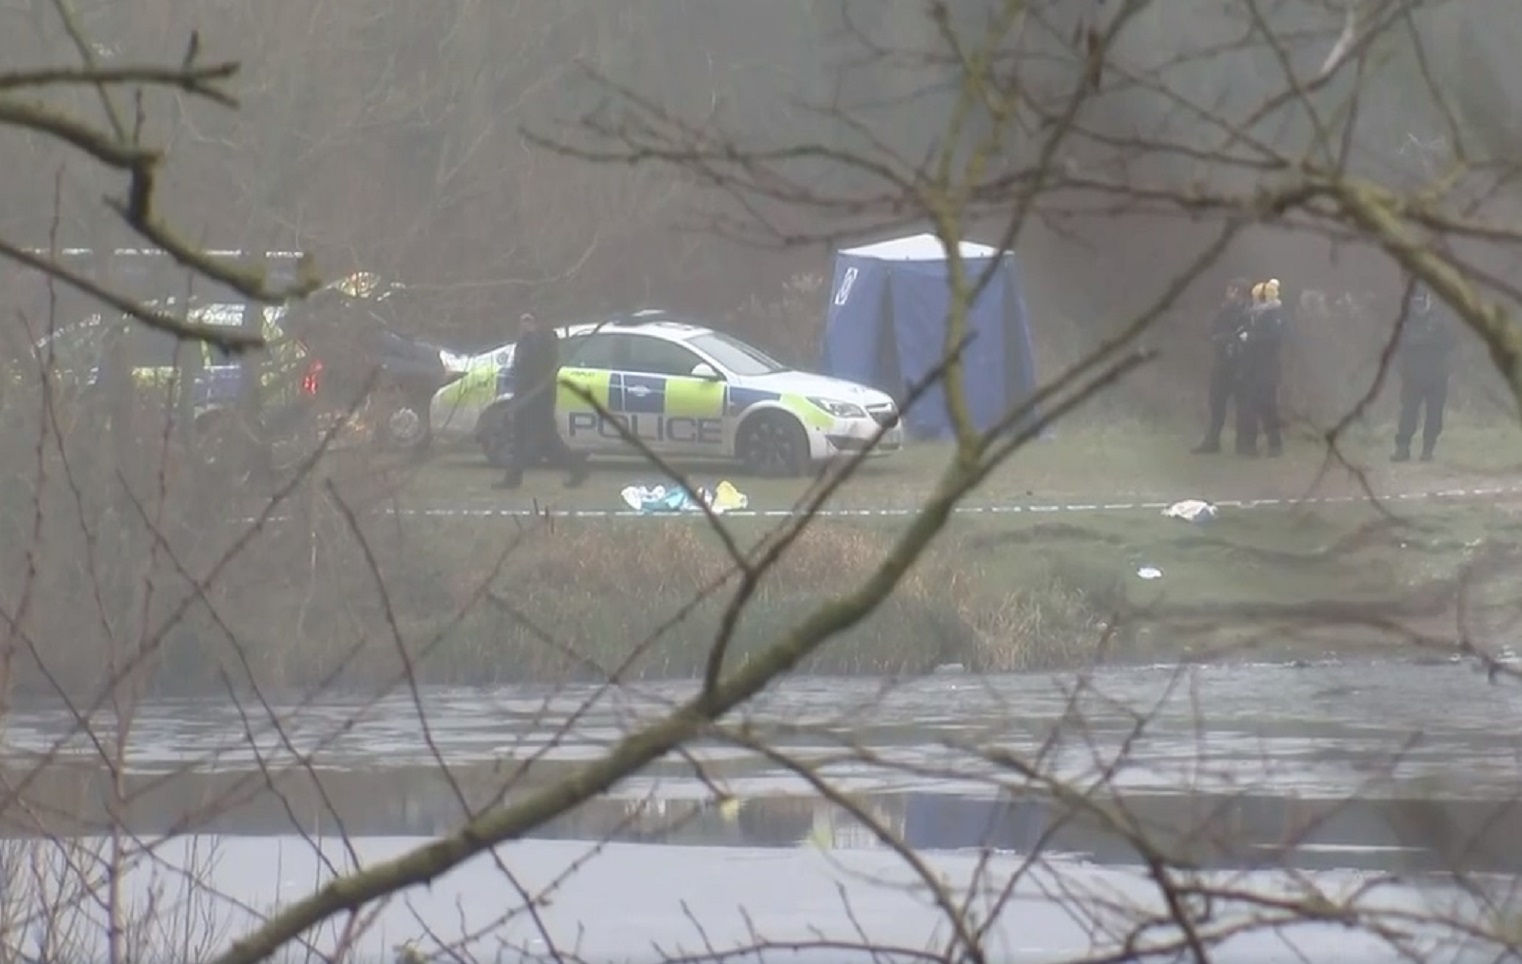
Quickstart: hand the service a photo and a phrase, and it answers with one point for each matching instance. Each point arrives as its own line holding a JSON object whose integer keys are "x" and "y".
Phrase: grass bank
{"x": 1001, "y": 593}
{"x": 577, "y": 598}
{"x": 1077, "y": 462}
{"x": 580, "y": 598}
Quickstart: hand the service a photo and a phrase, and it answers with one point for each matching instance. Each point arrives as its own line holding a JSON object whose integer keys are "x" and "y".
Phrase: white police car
{"x": 684, "y": 389}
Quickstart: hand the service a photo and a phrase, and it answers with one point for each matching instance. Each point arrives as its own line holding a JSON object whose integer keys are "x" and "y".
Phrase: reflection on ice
{"x": 1314, "y": 730}
{"x": 629, "y": 903}
{"x": 1343, "y": 772}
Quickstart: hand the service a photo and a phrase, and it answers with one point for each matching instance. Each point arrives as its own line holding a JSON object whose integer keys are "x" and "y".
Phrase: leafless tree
{"x": 1190, "y": 129}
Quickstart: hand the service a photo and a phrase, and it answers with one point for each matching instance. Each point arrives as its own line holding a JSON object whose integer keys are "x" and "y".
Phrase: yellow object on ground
{"x": 726, "y": 497}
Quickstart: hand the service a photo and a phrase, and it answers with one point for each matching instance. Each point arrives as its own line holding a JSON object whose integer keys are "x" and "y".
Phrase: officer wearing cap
{"x": 536, "y": 364}
{"x": 1226, "y": 349}
{"x": 1426, "y": 342}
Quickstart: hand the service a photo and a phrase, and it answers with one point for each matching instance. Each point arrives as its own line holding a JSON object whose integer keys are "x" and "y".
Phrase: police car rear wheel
{"x": 404, "y": 428}
{"x": 773, "y": 445}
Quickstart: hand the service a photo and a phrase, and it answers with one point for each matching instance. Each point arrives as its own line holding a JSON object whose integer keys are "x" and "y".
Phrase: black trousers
{"x": 1223, "y": 389}
{"x": 1258, "y": 405}
{"x": 535, "y": 438}
{"x": 1423, "y": 391}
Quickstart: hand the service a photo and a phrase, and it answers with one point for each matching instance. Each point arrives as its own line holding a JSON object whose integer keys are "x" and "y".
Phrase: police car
{"x": 76, "y": 355}
{"x": 683, "y": 389}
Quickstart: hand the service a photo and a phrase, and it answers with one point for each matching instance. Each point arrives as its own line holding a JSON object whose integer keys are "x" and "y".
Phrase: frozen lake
{"x": 1321, "y": 729}
{"x": 624, "y": 902}
{"x": 1386, "y": 777}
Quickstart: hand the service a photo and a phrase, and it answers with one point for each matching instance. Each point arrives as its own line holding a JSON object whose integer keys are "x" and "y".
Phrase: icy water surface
{"x": 1380, "y": 765}
{"x": 1347, "y": 772}
{"x": 1316, "y": 729}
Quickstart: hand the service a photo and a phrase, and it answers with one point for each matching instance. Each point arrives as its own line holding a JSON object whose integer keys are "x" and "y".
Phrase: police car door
{"x": 668, "y": 407}
{"x": 589, "y": 365}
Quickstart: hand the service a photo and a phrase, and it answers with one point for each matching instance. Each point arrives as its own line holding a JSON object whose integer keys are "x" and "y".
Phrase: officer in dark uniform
{"x": 536, "y": 364}
{"x": 1226, "y": 344}
{"x": 1427, "y": 340}
{"x": 1262, "y": 344}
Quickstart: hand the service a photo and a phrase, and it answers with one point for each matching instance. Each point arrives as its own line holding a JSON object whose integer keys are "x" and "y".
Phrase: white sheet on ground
{"x": 1191, "y": 510}
{"x": 724, "y": 497}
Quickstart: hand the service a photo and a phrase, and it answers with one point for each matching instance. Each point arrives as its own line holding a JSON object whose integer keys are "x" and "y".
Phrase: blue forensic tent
{"x": 886, "y": 327}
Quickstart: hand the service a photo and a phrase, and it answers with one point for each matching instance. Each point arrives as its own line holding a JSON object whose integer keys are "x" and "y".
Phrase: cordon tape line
{"x": 495, "y": 512}
{"x": 448, "y": 512}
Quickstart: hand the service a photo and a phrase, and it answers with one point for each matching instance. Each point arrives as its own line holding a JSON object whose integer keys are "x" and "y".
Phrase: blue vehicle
{"x": 75, "y": 361}
{"x": 76, "y": 354}
{"x": 322, "y": 351}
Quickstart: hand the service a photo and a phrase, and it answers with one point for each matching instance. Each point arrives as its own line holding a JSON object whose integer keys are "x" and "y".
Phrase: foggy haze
{"x": 389, "y": 139}
{"x": 210, "y": 562}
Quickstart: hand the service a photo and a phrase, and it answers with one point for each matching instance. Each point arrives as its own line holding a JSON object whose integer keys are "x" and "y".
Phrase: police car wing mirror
{"x": 706, "y": 372}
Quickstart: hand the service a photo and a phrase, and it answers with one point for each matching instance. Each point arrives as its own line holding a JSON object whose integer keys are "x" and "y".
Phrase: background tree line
{"x": 432, "y": 104}
{"x": 394, "y": 139}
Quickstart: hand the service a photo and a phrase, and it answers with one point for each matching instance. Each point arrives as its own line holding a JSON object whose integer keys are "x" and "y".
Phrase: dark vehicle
{"x": 352, "y": 328}
{"x": 324, "y": 351}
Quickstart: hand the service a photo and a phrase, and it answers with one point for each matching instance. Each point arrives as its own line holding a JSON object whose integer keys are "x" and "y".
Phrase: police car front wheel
{"x": 773, "y": 444}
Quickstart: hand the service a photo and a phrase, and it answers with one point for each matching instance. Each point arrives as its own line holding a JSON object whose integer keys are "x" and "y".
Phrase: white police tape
{"x": 466, "y": 511}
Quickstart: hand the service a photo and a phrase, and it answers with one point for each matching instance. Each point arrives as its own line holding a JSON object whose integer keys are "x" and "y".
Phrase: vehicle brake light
{"x": 312, "y": 378}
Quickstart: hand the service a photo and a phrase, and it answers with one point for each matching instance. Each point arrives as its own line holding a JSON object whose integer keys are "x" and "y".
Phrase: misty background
{"x": 224, "y": 600}
{"x": 389, "y": 137}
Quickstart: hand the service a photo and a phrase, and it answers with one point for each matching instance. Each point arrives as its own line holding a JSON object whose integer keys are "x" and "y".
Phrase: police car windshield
{"x": 735, "y": 355}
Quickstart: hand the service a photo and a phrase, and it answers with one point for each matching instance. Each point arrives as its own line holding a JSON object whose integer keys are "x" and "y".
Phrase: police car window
{"x": 654, "y": 356}
{"x": 735, "y": 355}
{"x": 151, "y": 348}
{"x": 570, "y": 346}
{"x": 608, "y": 351}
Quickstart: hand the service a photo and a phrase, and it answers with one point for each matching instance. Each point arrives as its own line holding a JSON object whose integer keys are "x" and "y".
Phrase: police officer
{"x": 1258, "y": 402}
{"x": 536, "y": 364}
{"x": 1427, "y": 340}
{"x": 1226, "y": 344}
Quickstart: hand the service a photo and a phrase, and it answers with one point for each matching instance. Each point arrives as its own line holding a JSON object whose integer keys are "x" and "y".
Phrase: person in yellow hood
{"x": 1262, "y": 342}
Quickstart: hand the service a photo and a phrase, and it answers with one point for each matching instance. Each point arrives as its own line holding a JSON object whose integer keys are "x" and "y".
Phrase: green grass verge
{"x": 1002, "y": 593}
{"x": 1081, "y": 462}
{"x": 997, "y": 592}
